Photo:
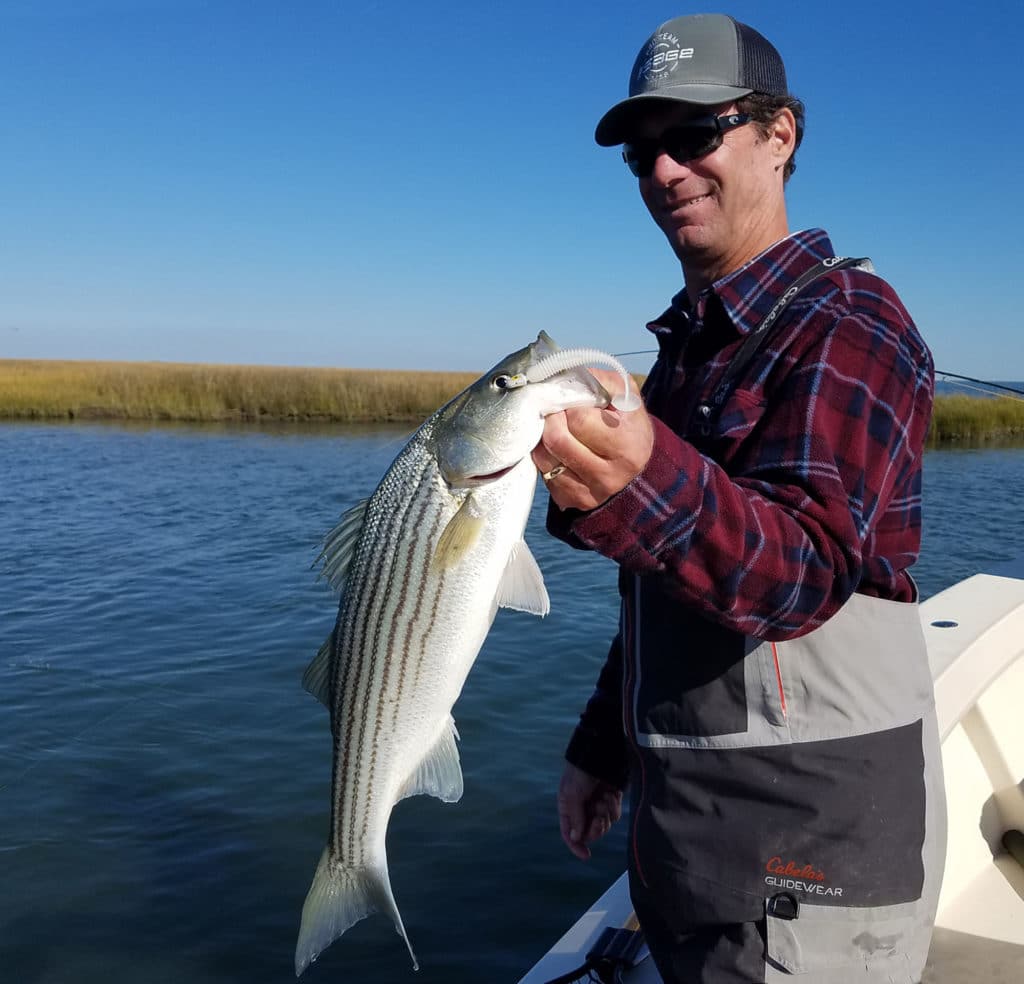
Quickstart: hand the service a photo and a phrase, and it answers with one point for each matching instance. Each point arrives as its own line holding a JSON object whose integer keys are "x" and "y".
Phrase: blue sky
{"x": 415, "y": 184}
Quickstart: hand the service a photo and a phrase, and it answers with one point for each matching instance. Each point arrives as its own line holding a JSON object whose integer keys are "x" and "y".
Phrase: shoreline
{"x": 38, "y": 389}
{"x": 54, "y": 390}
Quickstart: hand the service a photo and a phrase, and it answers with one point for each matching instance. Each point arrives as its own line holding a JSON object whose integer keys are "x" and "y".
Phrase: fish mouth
{"x": 490, "y": 476}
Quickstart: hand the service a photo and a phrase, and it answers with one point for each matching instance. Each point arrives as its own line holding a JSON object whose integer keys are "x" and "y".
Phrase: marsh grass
{"x": 39, "y": 389}
{"x": 976, "y": 420}
{"x": 44, "y": 389}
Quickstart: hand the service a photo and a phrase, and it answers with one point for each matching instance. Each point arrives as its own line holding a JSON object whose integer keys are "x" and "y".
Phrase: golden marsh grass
{"x": 42, "y": 389}
{"x": 976, "y": 420}
{"x": 45, "y": 389}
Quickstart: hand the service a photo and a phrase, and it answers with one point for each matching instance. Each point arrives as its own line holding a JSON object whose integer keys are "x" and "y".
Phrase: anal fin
{"x": 439, "y": 773}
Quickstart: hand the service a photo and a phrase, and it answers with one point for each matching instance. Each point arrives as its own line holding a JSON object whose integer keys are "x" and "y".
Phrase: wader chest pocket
{"x": 843, "y": 945}
{"x": 689, "y": 675}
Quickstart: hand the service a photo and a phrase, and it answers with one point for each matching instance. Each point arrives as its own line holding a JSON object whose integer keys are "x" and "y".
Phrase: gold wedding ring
{"x": 554, "y": 473}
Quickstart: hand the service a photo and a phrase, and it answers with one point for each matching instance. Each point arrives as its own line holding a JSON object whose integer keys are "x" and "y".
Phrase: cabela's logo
{"x": 663, "y": 54}
{"x": 800, "y": 878}
{"x": 793, "y": 870}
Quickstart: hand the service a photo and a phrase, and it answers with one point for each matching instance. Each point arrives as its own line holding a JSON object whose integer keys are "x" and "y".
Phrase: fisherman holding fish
{"x": 767, "y": 700}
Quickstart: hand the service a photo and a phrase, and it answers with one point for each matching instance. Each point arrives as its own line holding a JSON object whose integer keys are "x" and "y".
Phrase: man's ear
{"x": 782, "y": 136}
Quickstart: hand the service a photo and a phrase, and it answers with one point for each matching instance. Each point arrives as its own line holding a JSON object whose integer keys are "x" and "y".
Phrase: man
{"x": 767, "y": 699}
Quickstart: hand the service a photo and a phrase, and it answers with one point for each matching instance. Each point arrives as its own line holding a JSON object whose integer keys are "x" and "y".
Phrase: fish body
{"x": 423, "y": 565}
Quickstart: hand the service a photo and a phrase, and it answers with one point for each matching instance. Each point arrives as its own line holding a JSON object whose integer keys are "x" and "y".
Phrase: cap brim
{"x": 616, "y": 125}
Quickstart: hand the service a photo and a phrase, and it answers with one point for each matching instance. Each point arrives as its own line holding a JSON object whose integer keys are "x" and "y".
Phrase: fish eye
{"x": 508, "y": 381}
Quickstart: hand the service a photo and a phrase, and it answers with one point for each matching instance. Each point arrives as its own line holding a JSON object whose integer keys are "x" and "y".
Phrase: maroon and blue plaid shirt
{"x": 809, "y": 486}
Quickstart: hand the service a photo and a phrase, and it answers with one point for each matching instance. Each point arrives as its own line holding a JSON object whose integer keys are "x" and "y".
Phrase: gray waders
{"x": 796, "y": 785}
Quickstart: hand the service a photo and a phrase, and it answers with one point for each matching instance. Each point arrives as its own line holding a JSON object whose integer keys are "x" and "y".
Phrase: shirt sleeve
{"x": 560, "y": 523}
{"x": 598, "y": 745}
{"x": 774, "y": 545}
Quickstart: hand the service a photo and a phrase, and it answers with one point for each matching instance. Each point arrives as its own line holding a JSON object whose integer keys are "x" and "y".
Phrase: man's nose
{"x": 666, "y": 170}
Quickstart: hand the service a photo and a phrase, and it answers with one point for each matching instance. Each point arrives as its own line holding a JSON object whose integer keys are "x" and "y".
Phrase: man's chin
{"x": 689, "y": 243}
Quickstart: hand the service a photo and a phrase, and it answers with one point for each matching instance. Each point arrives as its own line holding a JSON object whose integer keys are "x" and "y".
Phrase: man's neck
{"x": 700, "y": 272}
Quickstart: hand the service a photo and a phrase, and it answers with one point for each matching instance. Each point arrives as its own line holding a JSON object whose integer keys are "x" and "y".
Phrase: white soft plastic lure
{"x": 576, "y": 358}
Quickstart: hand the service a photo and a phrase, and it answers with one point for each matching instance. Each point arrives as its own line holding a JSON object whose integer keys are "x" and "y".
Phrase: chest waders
{"x": 798, "y": 783}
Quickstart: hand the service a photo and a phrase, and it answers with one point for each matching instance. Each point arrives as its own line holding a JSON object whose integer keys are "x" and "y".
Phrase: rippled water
{"x": 164, "y": 777}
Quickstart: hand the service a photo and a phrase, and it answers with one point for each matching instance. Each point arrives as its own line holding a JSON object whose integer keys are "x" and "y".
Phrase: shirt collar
{"x": 749, "y": 293}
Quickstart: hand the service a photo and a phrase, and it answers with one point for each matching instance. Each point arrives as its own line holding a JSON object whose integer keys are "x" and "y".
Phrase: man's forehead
{"x": 653, "y": 119}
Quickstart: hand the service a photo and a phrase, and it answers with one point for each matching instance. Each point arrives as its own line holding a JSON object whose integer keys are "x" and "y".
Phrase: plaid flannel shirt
{"x": 809, "y": 487}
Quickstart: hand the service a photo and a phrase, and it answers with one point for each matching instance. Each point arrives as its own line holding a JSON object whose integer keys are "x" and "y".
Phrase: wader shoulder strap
{"x": 708, "y": 411}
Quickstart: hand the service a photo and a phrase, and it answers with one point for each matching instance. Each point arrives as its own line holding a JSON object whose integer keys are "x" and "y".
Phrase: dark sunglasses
{"x": 682, "y": 143}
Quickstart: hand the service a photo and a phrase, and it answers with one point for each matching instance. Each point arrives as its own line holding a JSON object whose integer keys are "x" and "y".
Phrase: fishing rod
{"x": 982, "y": 382}
{"x": 938, "y": 372}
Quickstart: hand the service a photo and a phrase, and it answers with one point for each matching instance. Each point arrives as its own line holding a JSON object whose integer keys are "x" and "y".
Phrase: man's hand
{"x": 599, "y": 451}
{"x": 587, "y": 808}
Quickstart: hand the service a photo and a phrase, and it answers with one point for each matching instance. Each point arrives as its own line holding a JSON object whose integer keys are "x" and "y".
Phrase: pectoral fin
{"x": 439, "y": 774}
{"x": 459, "y": 536}
{"x": 522, "y": 584}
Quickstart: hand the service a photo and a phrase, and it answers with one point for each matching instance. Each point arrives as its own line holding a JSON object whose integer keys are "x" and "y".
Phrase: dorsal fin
{"x": 339, "y": 546}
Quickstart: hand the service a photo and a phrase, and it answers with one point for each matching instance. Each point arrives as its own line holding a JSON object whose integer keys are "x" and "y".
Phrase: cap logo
{"x": 662, "y": 56}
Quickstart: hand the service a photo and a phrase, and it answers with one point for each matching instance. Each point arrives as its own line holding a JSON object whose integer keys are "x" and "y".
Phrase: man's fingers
{"x": 561, "y": 444}
{"x": 612, "y": 804}
{"x": 587, "y": 807}
{"x": 606, "y": 810}
{"x": 571, "y": 835}
{"x": 571, "y": 817}
{"x": 599, "y": 826}
{"x": 544, "y": 459}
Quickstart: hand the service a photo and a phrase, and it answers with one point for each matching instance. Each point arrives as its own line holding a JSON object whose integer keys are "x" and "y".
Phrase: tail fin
{"x": 339, "y": 897}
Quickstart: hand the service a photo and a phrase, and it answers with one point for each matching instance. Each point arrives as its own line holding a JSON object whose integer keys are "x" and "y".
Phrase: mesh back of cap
{"x": 760, "y": 64}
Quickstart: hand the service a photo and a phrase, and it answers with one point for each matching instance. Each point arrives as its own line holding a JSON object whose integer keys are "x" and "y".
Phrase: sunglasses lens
{"x": 681, "y": 143}
{"x": 688, "y": 143}
{"x": 640, "y": 157}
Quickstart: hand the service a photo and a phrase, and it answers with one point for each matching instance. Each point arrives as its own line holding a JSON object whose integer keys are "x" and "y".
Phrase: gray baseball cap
{"x": 702, "y": 59}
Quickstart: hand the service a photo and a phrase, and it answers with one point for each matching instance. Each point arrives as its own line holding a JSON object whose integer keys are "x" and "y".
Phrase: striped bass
{"x": 423, "y": 566}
